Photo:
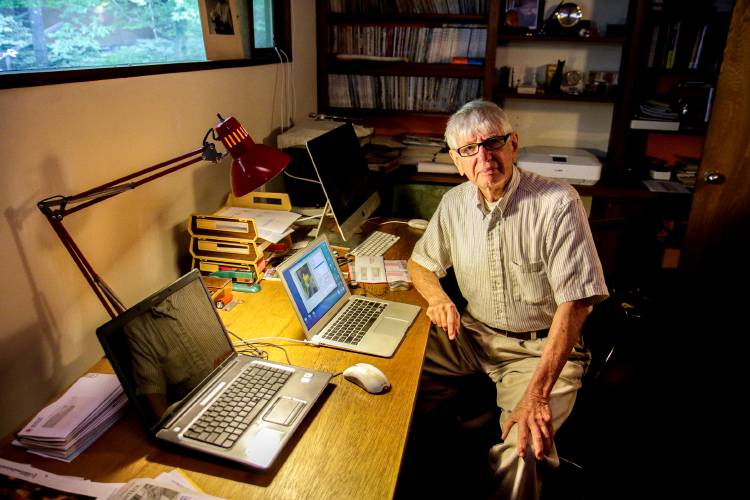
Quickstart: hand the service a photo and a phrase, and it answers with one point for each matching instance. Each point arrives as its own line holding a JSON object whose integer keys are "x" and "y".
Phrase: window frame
{"x": 282, "y": 28}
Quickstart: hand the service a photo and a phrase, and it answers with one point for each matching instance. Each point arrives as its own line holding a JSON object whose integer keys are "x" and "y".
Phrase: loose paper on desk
{"x": 395, "y": 270}
{"x": 273, "y": 225}
{"x": 368, "y": 269}
{"x": 23, "y": 478}
{"x": 37, "y": 483}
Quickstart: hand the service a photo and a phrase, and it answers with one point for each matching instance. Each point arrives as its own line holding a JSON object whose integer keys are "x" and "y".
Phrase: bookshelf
{"x": 678, "y": 53}
{"x": 415, "y": 90}
{"x": 381, "y": 59}
{"x": 624, "y": 214}
{"x": 403, "y": 92}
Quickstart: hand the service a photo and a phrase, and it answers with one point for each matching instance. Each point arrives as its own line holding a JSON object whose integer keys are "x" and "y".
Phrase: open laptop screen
{"x": 166, "y": 346}
{"x": 314, "y": 283}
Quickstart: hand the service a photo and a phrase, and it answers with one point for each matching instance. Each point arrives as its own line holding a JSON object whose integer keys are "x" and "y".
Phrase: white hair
{"x": 476, "y": 117}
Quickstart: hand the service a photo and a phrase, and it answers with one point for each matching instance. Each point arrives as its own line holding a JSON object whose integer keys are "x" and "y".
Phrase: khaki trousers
{"x": 510, "y": 364}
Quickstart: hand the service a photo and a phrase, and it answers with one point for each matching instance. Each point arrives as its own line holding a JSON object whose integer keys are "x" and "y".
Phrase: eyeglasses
{"x": 492, "y": 144}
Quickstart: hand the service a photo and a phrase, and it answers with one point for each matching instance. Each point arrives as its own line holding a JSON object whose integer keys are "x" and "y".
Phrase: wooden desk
{"x": 350, "y": 445}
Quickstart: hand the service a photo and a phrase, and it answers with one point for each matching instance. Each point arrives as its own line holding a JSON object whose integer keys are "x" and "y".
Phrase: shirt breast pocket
{"x": 530, "y": 283}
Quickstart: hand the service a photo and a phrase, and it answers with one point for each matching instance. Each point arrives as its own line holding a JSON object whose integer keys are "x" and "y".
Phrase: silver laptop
{"x": 331, "y": 315}
{"x": 190, "y": 387}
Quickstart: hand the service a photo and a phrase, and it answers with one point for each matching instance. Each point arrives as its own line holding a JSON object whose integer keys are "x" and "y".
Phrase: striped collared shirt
{"x": 516, "y": 263}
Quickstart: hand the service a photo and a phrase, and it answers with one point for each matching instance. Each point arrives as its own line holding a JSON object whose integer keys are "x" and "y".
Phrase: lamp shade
{"x": 253, "y": 164}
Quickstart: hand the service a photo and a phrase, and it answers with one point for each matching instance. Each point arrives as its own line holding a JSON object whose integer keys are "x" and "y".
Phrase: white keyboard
{"x": 375, "y": 244}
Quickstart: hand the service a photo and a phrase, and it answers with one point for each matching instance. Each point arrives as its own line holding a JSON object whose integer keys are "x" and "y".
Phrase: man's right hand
{"x": 441, "y": 310}
{"x": 445, "y": 315}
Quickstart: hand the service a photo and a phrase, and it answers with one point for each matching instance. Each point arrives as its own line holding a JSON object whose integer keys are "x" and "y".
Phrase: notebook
{"x": 321, "y": 299}
{"x": 190, "y": 387}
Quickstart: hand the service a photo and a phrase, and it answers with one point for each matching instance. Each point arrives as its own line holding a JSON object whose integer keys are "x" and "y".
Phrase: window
{"x": 53, "y": 41}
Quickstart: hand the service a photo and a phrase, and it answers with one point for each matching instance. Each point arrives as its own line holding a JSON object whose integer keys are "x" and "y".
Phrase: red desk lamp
{"x": 253, "y": 165}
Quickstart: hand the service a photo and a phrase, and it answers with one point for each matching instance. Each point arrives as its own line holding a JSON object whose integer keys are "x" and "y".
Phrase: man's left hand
{"x": 533, "y": 416}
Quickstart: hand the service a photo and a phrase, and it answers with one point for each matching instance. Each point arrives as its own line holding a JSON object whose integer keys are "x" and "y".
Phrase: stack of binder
{"x": 228, "y": 243}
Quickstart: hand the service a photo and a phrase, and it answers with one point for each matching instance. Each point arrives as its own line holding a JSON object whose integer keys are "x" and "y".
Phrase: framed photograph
{"x": 222, "y": 22}
{"x": 524, "y": 15}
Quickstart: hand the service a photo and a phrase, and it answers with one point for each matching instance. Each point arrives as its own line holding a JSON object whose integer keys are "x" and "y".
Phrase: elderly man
{"x": 525, "y": 262}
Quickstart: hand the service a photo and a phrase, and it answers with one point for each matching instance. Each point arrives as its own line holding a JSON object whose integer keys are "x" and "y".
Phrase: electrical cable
{"x": 371, "y": 219}
{"x": 249, "y": 341}
{"x": 283, "y": 89}
{"x": 268, "y": 344}
{"x": 249, "y": 349}
{"x": 301, "y": 178}
{"x": 290, "y": 80}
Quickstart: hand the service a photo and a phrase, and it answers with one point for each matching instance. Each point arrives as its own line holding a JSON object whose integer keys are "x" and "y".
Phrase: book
{"x": 436, "y": 168}
{"x": 473, "y": 61}
{"x": 666, "y": 187}
{"x": 643, "y": 124}
{"x": 423, "y": 140}
{"x": 654, "y": 44}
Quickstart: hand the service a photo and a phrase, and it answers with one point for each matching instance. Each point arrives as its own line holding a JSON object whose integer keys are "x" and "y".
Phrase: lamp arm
{"x": 104, "y": 293}
{"x": 59, "y": 206}
{"x": 55, "y": 208}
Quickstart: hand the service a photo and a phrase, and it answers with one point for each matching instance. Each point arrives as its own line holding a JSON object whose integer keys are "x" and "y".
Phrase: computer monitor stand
{"x": 328, "y": 226}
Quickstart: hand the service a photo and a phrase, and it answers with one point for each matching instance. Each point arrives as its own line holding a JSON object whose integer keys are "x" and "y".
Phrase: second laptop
{"x": 331, "y": 315}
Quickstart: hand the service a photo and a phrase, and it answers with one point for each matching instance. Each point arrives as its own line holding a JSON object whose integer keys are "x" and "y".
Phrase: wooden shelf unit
{"x": 328, "y": 64}
{"x": 498, "y": 38}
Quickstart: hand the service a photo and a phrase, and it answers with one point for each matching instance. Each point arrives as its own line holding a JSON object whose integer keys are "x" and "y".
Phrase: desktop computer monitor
{"x": 342, "y": 170}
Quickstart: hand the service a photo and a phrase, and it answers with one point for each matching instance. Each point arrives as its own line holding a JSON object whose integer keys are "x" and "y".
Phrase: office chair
{"x": 601, "y": 333}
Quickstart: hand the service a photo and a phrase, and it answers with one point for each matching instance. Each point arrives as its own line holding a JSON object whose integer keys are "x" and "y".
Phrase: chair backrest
{"x": 600, "y": 332}
{"x": 450, "y": 285}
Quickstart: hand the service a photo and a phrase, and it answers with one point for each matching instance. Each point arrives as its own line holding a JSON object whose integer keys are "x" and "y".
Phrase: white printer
{"x": 576, "y": 166}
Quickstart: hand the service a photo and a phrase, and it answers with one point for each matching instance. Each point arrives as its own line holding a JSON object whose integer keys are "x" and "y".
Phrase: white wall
{"x": 64, "y": 139}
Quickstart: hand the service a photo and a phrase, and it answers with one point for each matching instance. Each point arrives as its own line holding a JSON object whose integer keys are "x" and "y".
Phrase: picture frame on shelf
{"x": 523, "y": 16}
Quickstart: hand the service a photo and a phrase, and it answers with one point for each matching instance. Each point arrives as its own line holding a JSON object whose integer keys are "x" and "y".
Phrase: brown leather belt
{"x": 538, "y": 334}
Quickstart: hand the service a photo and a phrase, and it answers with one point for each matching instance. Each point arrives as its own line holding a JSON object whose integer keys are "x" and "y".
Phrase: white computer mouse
{"x": 418, "y": 224}
{"x": 368, "y": 378}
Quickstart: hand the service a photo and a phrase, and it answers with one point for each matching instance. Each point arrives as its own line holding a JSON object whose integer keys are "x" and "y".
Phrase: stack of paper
{"x": 273, "y": 225}
{"x": 68, "y": 426}
{"x": 422, "y": 149}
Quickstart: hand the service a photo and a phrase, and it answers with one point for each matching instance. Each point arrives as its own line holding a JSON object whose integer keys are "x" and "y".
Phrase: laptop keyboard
{"x": 352, "y": 325}
{"x": 226, "y": 419}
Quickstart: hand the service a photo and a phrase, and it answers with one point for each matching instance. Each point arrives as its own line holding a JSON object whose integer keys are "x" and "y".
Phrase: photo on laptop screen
{"x": 316, "y": 285}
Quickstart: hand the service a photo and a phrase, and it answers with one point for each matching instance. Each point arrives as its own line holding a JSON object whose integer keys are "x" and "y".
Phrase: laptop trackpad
{"x": 390, "y": 325}
{"x": 283, "y": 411}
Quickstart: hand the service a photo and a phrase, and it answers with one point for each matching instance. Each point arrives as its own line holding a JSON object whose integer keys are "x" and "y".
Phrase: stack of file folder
{"x": 225, "y": 243}
{"x": 237, "y": 237}
{"x": 68, "y": 426}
